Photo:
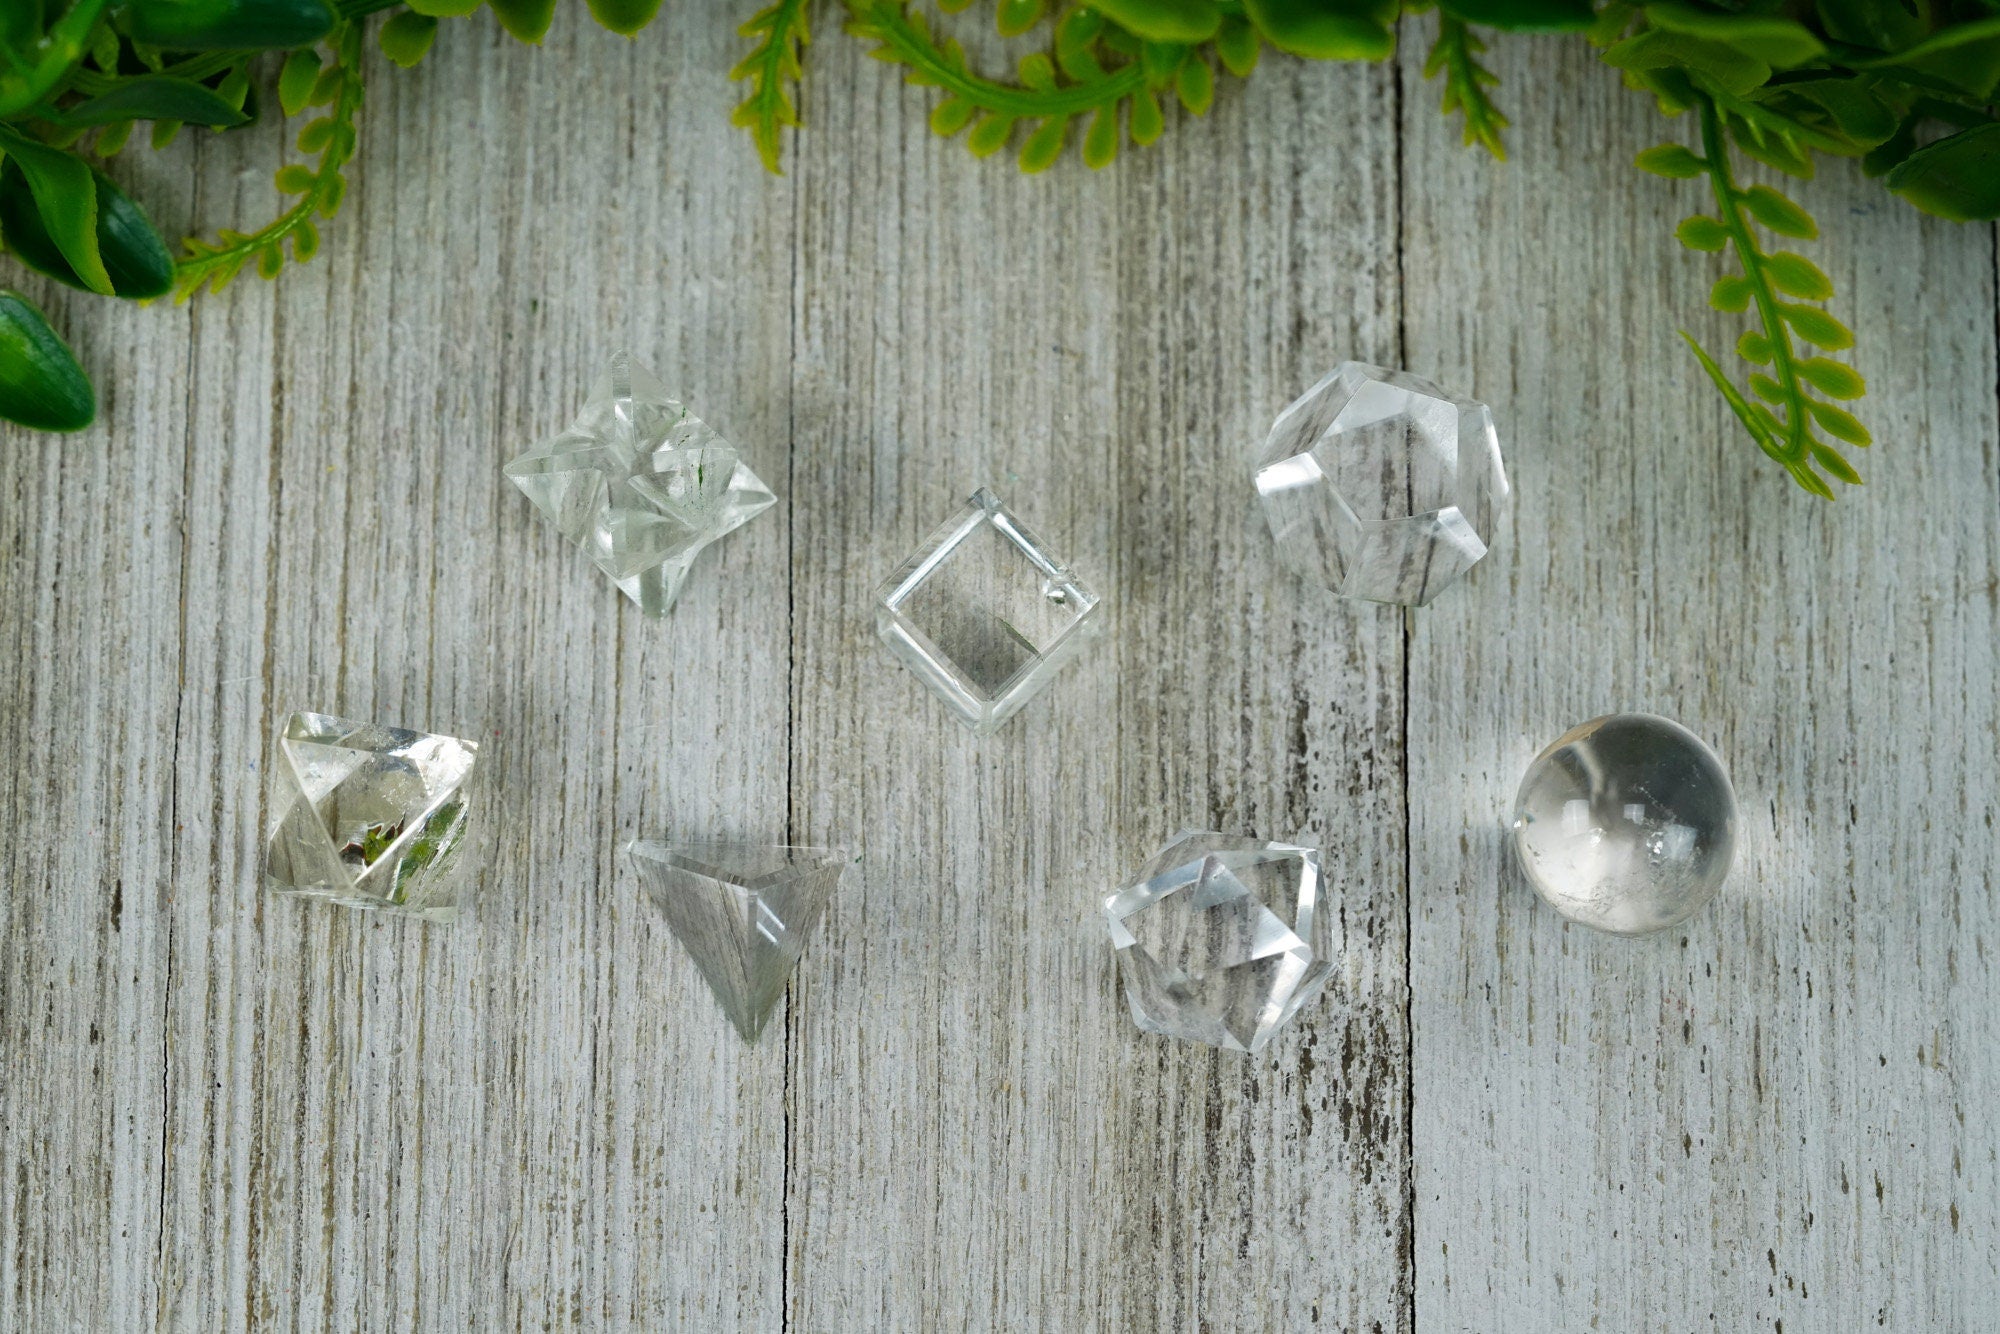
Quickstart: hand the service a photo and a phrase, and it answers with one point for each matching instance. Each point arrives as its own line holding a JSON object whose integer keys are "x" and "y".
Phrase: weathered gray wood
{"x": 979, "y": 1136}
{"x": 220, "y": 1111}
{"x": 1775, "y": 1114}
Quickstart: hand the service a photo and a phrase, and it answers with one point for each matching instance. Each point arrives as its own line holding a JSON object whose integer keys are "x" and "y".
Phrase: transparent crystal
{"x": 1380, "y": 485}
{"x": 743, "y": 912}
{"x": 984, "y": 614}
{"x": 1626, "y": 824}
{"x": 641, "y": 484}
{"x": 369, "y": 816}
{"x": 1220, "y": 938}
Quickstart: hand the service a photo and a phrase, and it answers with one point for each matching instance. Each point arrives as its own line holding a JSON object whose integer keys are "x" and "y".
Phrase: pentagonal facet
{"x": 1219, "y": 938}
{"x": 368, "y": 816}
{"x": 1379, "y": 485}
{"x": 641, "y": 484}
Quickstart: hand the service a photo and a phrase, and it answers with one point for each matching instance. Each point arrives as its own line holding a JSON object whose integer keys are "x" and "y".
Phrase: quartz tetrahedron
{"x": 984, "y": 614}
{"x": 1380, "y": 485}
{"x": 641, "y": 484}
{"x": 369, "y": 816}
{"x": 743, "y": 912}
{"x": 1220, "y": 938}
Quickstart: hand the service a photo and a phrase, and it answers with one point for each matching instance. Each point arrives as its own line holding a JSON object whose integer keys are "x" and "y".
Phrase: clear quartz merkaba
{"x": 370, "y": 816}
{"x": 641, "y": 484}
{"x": 984, "y": 614}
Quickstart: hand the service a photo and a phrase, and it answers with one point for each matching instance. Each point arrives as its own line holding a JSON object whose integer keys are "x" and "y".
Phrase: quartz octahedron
{"x": 641, "y": 484}
{"x": 1380, "y": 485}
{"x": 1626, "y": 824}
{"x": 984, "y": 614}
{"x": 1220, "y": 939}
{"x": 369, "y": 816}
{"x": 742, "y": 911}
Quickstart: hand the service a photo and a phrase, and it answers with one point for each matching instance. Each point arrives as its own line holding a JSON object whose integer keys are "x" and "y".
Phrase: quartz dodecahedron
{"x": 1626, "y": 824}
{"x": 1380, "y": 485}
{"x": 742, "y": 911}
{"x": 641, "y": 484}
{"x": 369, "y": 816}
{"x": 1220, "y": 938}
{"x": 984, "y": 614}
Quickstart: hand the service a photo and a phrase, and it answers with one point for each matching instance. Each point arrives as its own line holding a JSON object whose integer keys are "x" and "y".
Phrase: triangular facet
{"x": 742, "y": 911}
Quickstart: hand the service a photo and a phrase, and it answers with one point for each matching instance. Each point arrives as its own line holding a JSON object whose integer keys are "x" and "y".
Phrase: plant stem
{"x": 1715, "y": 153}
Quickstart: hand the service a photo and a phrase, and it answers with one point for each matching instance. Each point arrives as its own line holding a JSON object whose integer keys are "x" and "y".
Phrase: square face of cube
{"x": 984, "y": 614}
{"x": 369, "y": 816}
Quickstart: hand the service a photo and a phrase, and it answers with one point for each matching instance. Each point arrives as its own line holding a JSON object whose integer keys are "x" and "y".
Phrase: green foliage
{"x": 41, "y": 386}
{"x": 773, "y": 66}
{"x": 1455, "y": 55}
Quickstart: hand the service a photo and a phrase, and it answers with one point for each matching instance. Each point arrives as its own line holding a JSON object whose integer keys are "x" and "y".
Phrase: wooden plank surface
{"x": 219, "y": 1111}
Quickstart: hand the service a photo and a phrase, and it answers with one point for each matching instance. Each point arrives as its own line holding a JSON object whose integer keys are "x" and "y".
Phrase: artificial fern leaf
{"x": 1795, "y": 275}
{"x": 1778, "y": 213}
{"x": 1670, "y": 160}
{"x": 1455, "y": 55}
{"x": 1816, "y": 327}
{"x": 1100, "y": 144}
{"x": 773, "y": 66}
{"x": 1702, "y": 232}
{"x": 1015, "y": 17}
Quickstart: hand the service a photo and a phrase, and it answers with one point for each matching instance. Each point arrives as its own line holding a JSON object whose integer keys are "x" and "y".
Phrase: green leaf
{"x": 1146, "y": 124}
{"x": 1778, "y": 42}
{"x": 297, "y": 80}
{"x": 1958, "y": 177}
{"x": 1100, "y": 143}
{"x": 1195, "y": 86}
{"x": 1839, "y": 423}
{"x": 1964, "y": 57}
{"x": 407, "y": 37}
{"x": 442, "y": 9}
{"x": 1524, "y": 15}
{"x": 1729, "y": 69}
{"x": 1671, "y": 161}
{"x": 1164, "y": 20}
{"x": 1702, "y": 232}
{"x": 1237, "y": 44}
{"x": 1885, "y": 27}
{"x": 1827, "y": 457}
{"x": 136, "y": 260}
{"x": 1831, "y": 378}
{"x": 990, "y": 135}
{"x": 1817, "y": 327}
{"x": 1766, "y": 388}
{"x": 527, "y": 20}
{"x": 1327, "y": 29}
{"x": 951, "y": 115}
{"x": 1044, "y": 145}
{"x": 41, "y": 386}
{"x": 65, "y": 194}
{"x": 1778, "y": 213}
{"x": 1731, "y": 295}
{"x": 151, "y": 97}
{"x": 1038, "y": 72}
{"x": 624, "y": 17}
{"x": 1795, "y": 275}
{"x": 54, "y": 52}
{"x": 1754, "y": 422}
{"x": 1015, "y": 17}
{"x": 1754, "y": 347}
{"x": 226, "y": 25}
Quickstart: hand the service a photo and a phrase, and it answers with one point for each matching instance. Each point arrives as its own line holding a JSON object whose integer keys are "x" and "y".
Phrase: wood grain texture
{"x": 1772, "y": 1116}
{"x": 220, "y": 1111}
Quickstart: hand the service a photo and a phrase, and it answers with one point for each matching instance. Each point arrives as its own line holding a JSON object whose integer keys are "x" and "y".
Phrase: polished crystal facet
{"x": 1380, "y": 485}
{"x": 368, "y": 816}
{"x": 743, "y": 911}
{"x": 984, "y": 614}
{"x": 1626, "y": 824}
{"x": 1220, "y": 938}
{"x": 641, "y": 484}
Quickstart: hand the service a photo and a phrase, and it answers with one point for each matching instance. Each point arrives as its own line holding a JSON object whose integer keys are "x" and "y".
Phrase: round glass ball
{"x": 1626, "y": 824}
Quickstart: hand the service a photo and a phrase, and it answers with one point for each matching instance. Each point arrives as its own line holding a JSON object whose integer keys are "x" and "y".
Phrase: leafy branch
{"x": 320, "y": 188}
{"x": 1800, "y": 386}
{"x": 1455, "y": 55}
{"x": 773, "y": 66}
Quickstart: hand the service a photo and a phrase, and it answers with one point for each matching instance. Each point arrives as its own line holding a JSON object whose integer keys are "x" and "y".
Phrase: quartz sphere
{"x": 1626, "y": 824}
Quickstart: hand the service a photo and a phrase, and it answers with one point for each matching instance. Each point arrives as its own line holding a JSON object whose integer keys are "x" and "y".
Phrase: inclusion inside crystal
{"x": 983, "y": 613}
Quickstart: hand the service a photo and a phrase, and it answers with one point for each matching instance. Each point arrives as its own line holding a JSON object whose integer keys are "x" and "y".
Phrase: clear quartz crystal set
{"x": 1375, "y": 484}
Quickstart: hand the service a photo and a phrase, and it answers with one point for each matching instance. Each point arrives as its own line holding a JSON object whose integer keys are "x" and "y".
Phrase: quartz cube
{"x": 743, "y": 911}
{"x": 1220, "y": 938}
{"x": 984, "y": 614}
{"x": 369, "y": 816}
{"x": 641, "y": 484}
{"x": 1380, "y": 485}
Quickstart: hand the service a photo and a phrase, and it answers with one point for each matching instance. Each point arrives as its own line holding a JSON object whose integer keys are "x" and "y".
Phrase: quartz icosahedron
{"x": 369, "y": 816}
{"x": 1220, "y": 939}
{"x": 743, "y": 912}
{"x": 1380, "y": 485}
{"x": 984, "y": 614}
{"x": 1626, "y": 824}
{"x": 641, "y": 484}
